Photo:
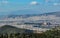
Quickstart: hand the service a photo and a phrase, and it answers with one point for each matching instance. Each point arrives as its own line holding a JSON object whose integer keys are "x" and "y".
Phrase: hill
{"x": 12, "y": 29}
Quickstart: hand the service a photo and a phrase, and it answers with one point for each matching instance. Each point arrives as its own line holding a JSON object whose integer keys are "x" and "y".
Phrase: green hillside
{"x": 10, "y": 29}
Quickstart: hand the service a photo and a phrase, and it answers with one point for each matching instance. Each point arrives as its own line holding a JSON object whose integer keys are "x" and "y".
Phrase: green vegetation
{"x": 47, "y": 34}
{"x": 13, "y": 33}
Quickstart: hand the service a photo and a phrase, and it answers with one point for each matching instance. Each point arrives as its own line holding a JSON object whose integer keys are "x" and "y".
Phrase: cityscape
{"x": 31, "y": 24}
{"x": 29, "y": 18}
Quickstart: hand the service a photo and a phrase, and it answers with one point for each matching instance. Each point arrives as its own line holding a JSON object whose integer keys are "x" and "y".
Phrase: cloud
{"x": 3, "y": 2}
{"x": 56, "y": 4}
{"x": 33, "y": 3}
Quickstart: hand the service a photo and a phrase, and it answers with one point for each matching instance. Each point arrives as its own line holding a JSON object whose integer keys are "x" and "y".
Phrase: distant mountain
{"x": 23, "y": 12}
{"x": 17, "y": 14}
{"x": 52, "y": 13}
{"x": 33, "y": 17}
{"x": 29, "y": 15}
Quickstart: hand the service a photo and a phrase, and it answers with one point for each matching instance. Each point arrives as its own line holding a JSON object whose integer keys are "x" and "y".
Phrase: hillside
{"x": 12, "y": 29}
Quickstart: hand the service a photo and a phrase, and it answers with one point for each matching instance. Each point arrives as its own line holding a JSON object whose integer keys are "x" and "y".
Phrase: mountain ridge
{"x": 44, "y": 14}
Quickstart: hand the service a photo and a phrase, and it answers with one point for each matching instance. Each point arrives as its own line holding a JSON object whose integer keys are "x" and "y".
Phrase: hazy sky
{"x": 28, "y": 6}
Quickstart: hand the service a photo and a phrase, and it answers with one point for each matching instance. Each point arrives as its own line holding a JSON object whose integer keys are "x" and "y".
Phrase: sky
{"x": 28, "y": 6}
